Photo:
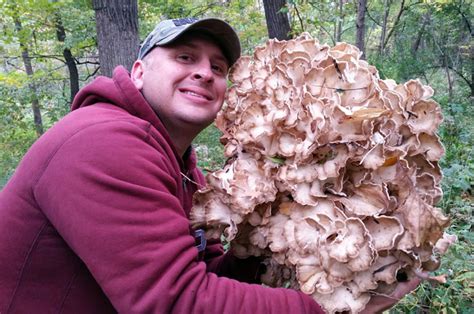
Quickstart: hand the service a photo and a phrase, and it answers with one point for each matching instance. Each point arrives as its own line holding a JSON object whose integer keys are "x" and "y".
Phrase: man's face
{"x": 185, "y": 82}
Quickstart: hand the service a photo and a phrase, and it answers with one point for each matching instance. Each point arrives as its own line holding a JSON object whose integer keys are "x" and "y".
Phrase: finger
{"x": 404, "y": 288}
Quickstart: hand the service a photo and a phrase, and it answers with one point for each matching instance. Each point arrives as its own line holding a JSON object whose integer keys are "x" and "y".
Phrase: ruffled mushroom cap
{"x": 384, "y": 231}
{"x": 332, "y": 175}
{"x": 342, "y": 299}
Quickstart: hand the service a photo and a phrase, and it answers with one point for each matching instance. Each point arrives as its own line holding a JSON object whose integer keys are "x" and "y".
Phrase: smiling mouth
{"x": 188, "y": 92}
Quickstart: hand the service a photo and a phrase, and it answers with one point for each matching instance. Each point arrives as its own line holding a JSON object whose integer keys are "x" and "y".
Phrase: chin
{"x": 198, "y": 123}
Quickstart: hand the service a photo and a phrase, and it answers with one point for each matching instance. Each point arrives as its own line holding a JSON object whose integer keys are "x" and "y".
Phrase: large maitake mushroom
{"x": 332, "y": 173}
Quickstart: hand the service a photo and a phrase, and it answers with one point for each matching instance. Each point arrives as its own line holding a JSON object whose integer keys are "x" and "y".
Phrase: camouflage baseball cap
{"x": 169, "y": 30}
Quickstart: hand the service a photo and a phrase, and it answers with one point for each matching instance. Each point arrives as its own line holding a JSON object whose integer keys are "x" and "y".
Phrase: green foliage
{"x": 38, "y": 35}
{"x": 17, "y": 132}
{"x": 457, "y": 294}
{"x": 210, "y": 153}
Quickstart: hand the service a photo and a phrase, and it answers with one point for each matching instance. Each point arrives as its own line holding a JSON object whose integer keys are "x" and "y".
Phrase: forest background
{"x": 49, "y": 49}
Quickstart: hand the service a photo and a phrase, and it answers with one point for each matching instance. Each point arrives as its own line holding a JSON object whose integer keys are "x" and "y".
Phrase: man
{"x": 95, "y": 218}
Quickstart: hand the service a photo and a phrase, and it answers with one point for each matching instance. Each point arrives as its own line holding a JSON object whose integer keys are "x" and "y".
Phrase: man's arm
{"x": 110, "y": 194}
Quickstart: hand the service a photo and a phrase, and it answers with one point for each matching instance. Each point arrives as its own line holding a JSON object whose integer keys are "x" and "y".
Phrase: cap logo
{"x": 184, "y": 21}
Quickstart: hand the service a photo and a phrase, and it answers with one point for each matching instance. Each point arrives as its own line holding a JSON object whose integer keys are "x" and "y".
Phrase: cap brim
{"x": 222, "y": 32}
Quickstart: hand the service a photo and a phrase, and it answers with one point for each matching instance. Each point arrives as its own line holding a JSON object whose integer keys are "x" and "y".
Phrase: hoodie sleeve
{"x": 109, "y": 192}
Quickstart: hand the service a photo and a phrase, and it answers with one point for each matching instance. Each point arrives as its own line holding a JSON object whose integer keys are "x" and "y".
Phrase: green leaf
{"x": 277, "y": 160}
{"x": 465, "y": 276}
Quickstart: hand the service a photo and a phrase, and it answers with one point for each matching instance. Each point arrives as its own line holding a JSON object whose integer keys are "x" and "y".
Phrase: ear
{"x": 138, "y": 70}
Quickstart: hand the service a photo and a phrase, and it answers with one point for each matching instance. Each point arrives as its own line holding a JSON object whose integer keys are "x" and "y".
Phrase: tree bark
{"x": 277, "y": 22}
{"x": 339, "y": 22}
{"x": 397, "y": 20}
{"x": 360, "y": 24}
{"x": 448, "y": 76}
{"x": 386, "y": 8}
{"x": 419, "y": 35}
{"x": 31, "y": 85}
{"x": 471, "y": 85}
{"x": 117, "y": 33}
{"x": 68, "y": 57}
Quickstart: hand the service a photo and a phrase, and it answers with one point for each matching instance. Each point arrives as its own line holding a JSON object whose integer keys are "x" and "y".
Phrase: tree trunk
{"x": 386, "y": 8}
{"x": 397, "y": 20}
{"x": 448, "y": 76}
{"x": 360, "y": 23}
{"x": 117, "y": 33}
{"x": 70, "y": 62}
{"x": 339, "y": 22}
{"x": 419, "y": 35}
{"x": 277, "y": 22}
{"x": 471, "y": 84}
{"x": 472, "y": 80}
{"x": 31, "y": 85}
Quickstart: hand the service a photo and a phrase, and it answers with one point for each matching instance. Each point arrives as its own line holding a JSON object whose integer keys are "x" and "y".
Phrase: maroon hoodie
{"x": 95, "y": 220}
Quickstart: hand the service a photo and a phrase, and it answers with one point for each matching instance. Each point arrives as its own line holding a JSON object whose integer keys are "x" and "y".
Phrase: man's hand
{"x": 379, "y": 303}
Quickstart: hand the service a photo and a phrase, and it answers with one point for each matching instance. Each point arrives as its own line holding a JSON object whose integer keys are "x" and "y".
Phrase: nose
{"x": 203, "y": 72}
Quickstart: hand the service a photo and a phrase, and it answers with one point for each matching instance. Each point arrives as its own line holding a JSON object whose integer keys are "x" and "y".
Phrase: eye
{"x": 184, "y": 57}
{"x": 219, "y": 68}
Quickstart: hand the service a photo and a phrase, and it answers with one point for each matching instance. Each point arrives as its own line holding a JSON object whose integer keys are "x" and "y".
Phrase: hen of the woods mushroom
{"x": 332, "y": 173}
